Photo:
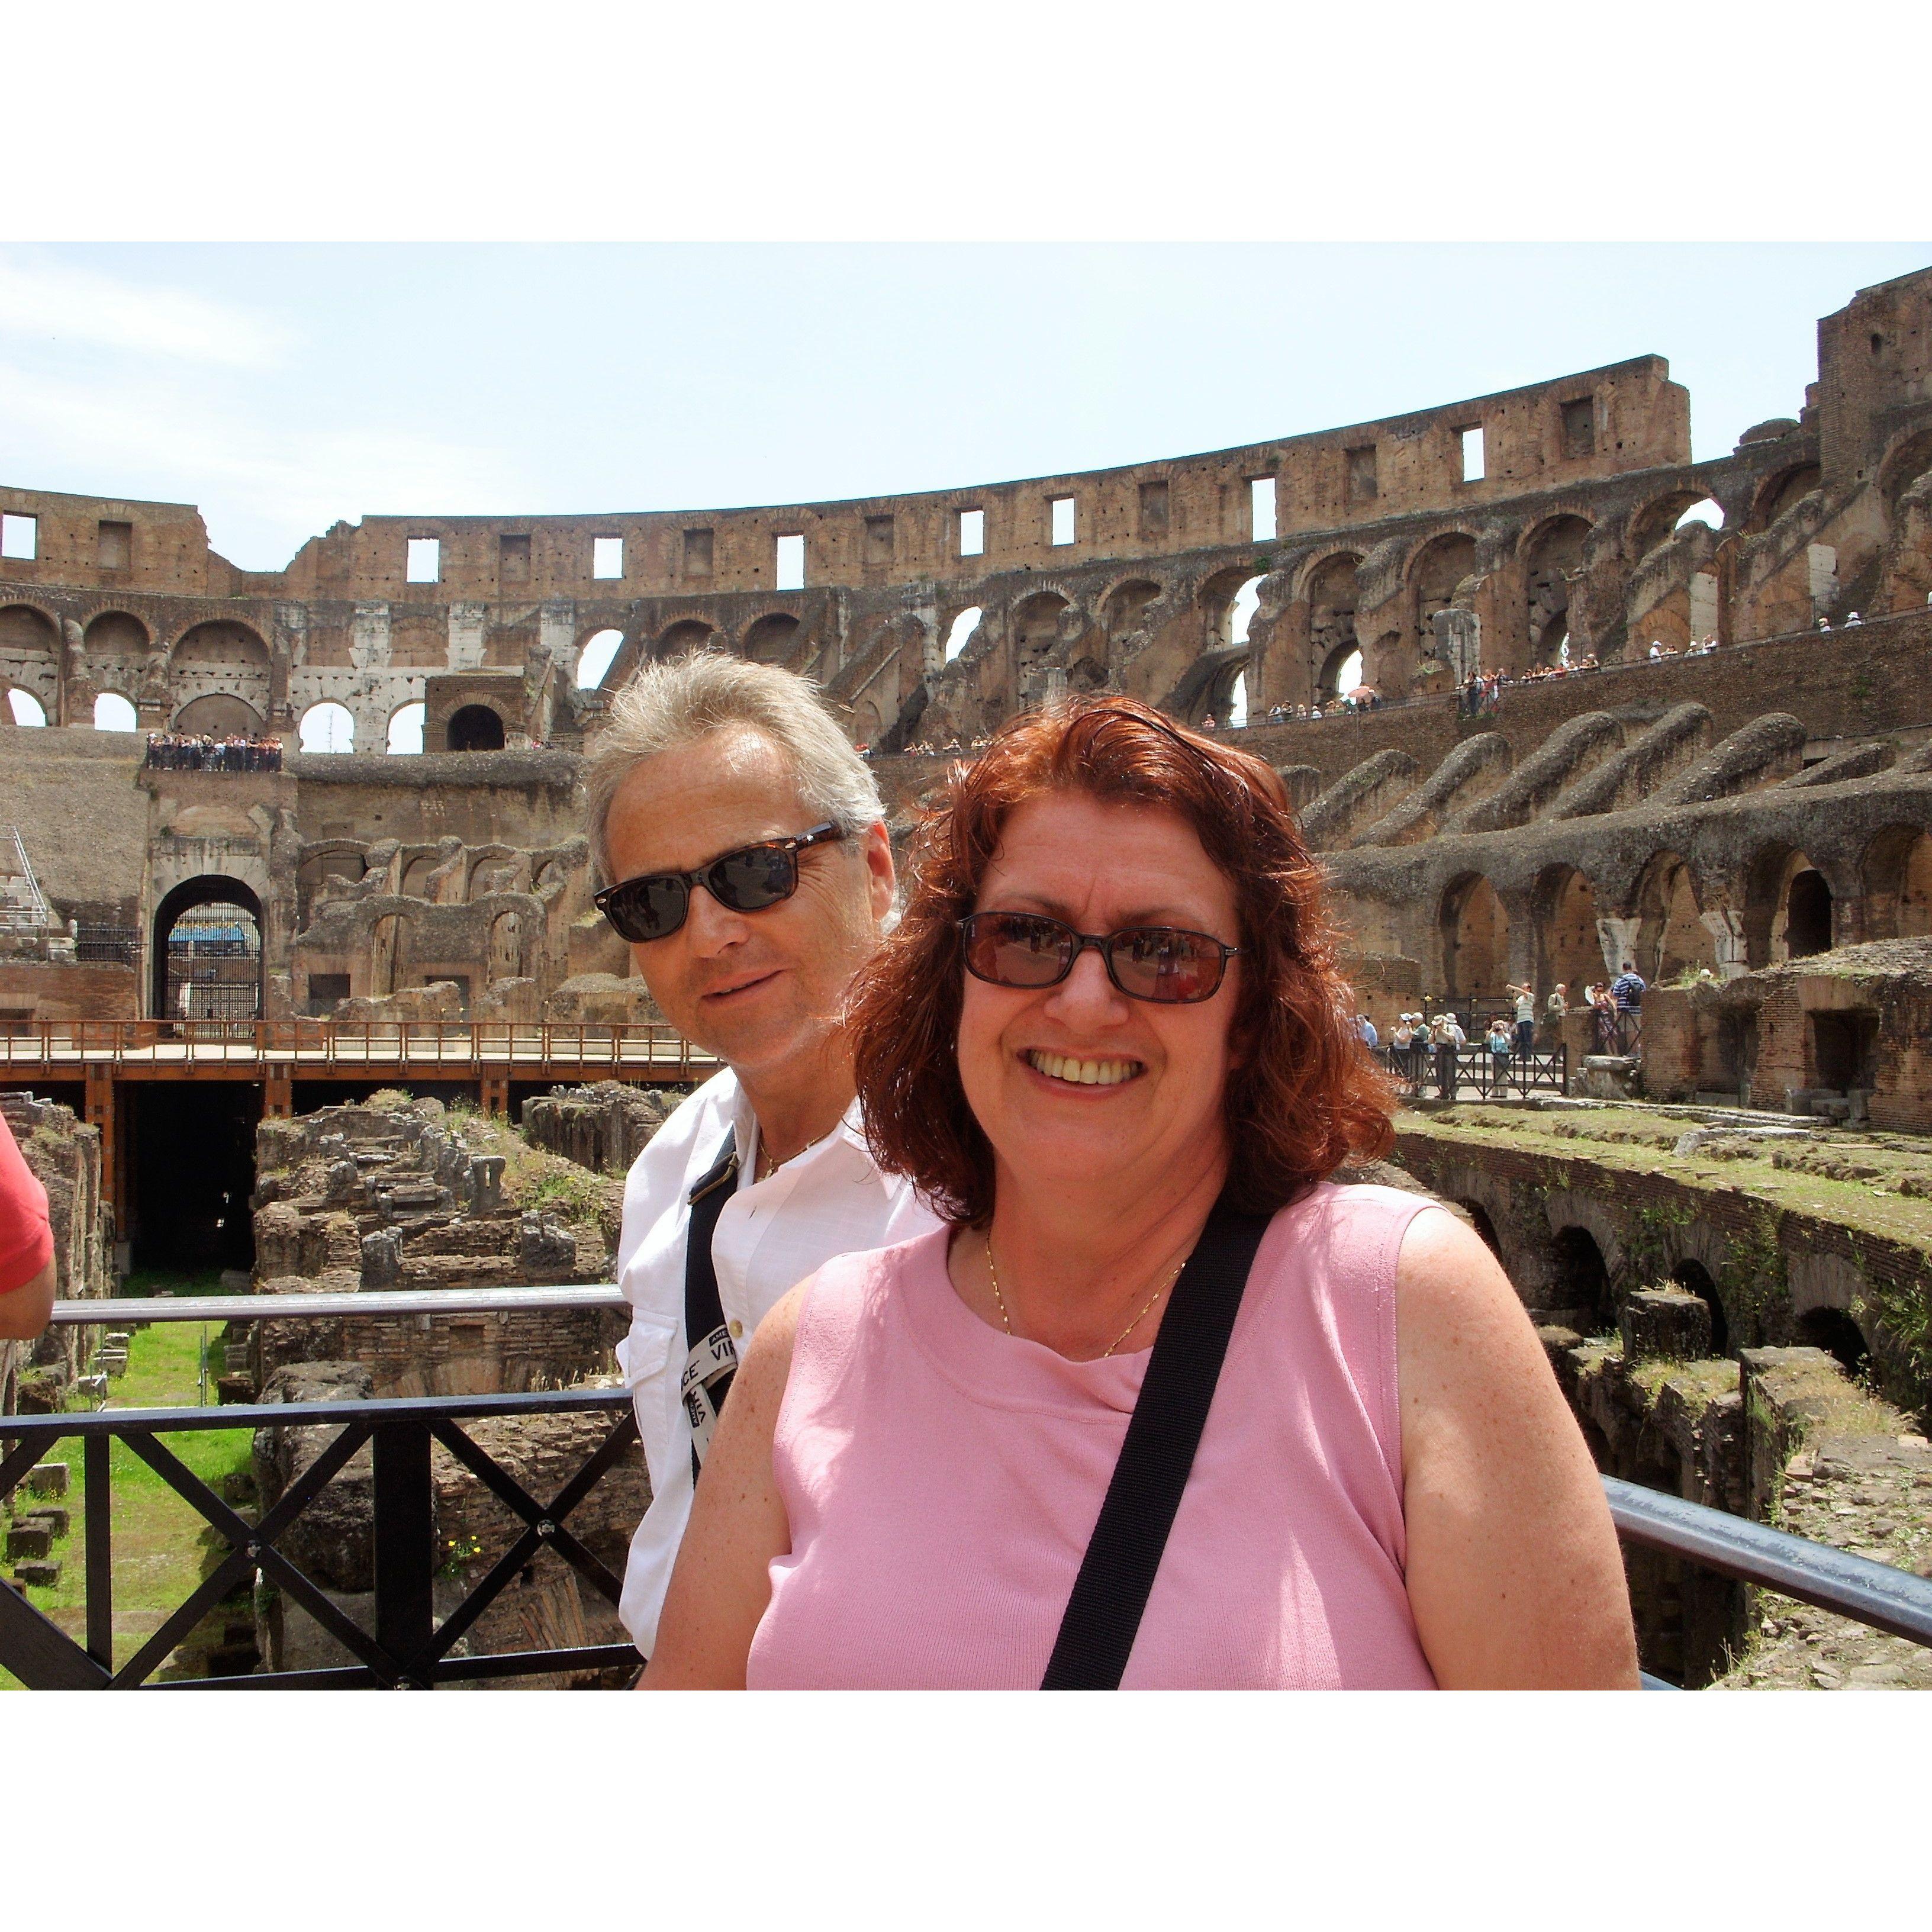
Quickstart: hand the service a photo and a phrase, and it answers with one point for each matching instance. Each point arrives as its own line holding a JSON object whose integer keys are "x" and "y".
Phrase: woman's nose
{"x": 1086, "y": 991}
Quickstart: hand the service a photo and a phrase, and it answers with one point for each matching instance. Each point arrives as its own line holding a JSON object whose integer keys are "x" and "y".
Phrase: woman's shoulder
{"x": 849, "y": 1284}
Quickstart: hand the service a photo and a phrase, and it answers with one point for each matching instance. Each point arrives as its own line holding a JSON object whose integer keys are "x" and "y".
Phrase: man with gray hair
{"x": 748, "y": 867}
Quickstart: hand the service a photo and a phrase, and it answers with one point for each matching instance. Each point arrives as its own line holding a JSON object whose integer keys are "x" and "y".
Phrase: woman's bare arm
{"x": 722, "y": 1582}
{"x": 1515, "y": 1578}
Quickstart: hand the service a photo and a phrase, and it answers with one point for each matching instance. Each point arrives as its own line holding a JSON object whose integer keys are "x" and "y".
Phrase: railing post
{"x": 405, "y": 1544}
{"x": 99, "y": 1517}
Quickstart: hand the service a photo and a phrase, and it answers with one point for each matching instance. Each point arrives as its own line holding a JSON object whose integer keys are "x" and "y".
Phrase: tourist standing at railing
{"x": 1500, "y": 1045}
{"x": 1108, "y": 1043}
{"x": 1524, "y": 997}
{"x": 752, "y": 876}
{"x": 1448, "y": 1039}
{"x": 26, "y": 1246}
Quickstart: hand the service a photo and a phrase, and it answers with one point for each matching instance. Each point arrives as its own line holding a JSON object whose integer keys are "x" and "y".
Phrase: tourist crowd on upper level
{"x": 184, "y": 751}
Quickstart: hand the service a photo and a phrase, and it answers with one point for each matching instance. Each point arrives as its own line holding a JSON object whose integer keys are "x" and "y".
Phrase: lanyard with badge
{"x": 711, "y": 1359}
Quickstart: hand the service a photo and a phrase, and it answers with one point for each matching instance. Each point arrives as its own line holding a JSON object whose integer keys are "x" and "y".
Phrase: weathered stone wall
{"x": 604, "y": 1127}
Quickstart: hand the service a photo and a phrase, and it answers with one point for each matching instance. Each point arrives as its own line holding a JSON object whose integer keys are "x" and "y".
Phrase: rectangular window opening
{"x": 1153, "y": 509}
{"x": 972, "y": 532}
{"x": 1472, "y": 455}
{"x": 425, "y": 562}
{"x": 606, "y": 557}
{"x": 20, "y": 537}
{"x": 115, "y": 545}
{"x": 513, "y": 559}
{"x": 1362, "y": 488}
{"x": 878, "y": 540}
{"x": 1580, "y": 427}
{"x": 788, "y": 565}
{"x": 1261, "y": 505}
{"x": 1060, "y": 530}
{"x": 697, "y": 553}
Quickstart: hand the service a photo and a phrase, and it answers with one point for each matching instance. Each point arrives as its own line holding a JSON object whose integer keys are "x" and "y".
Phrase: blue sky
{"x": 283, "y": 387}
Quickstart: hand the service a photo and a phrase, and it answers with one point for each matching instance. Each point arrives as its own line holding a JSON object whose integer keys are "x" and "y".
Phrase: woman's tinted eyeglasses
{"x": 1166, "y": 964}
{"x": 748, "y": 880}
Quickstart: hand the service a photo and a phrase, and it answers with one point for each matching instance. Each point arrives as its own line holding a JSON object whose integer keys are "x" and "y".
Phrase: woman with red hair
{"x": 1161, "y": 1404}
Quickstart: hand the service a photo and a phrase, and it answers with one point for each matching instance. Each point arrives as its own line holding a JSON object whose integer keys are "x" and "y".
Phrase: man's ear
{"x": 883, "y": 881}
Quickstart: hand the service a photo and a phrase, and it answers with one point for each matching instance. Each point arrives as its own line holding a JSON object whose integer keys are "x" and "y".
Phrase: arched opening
{"x": 773, "y": 638}
{"x": 1237, "y": 702}
{"x": 1569, "y": 949}
{"x": 218, "y": 716}
{"x": 1657, "y": 520}
{"x": 405, "y": 735}
{"x": 26, "y": 708}
{"x": 1807, "y": 915}
{"x": 1707, "y": 511}
{"x": 328, "y": 727}
{"x": 506, "y": 947}
{"x": 1897, "y": 878}
{"x": 595, "y": 658}
{"x": 115, "y": 635}
{"x": 1126, "y": 606}
{"x": 1340, "y": 674}
{"x": 1834, "y": 1331}
{"x": 1671, "y": 938}
{"x": 1580, "y": 1283}
{"x": 1554, "y": 560}
{"x": 474, "y": 728}
{"x": 963, "y": 629}
{"x": 1475, "y": 939}
{"x": 1694, "y": 1278}
{"x": 29, "y": 662}
{"x": 690, "y": 634}
{"x": 1036, "y": 630}
{"x": 1331, "y": 597}
{"x": 1439, "y": 568}
{"x": 208, "y": 952}
{"x": 1783, "y": 492}
{"x": 112, "y": 712}
{"x": 1479, "y": 1219}
{"x": 1241, "y": 612}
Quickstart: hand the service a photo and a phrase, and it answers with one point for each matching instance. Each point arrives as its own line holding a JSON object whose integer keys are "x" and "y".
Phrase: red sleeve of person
{"x": 26, "y": 1238}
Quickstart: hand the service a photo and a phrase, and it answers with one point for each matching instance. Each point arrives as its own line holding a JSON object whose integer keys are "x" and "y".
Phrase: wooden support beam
{"x": 278, "y": 1099}
{"x": 496, "y": 1095}
{"x": 100, "y": 1113}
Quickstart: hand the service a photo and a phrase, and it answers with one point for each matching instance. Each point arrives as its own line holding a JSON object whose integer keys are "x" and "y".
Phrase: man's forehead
{"x": 688, "y": 804}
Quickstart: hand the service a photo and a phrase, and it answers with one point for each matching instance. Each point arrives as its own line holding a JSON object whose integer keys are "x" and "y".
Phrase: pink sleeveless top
{"x": 942, "y": 1479}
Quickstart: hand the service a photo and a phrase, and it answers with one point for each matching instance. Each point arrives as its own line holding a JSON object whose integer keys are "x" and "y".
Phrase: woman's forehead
{"x": 1078, "y": 850}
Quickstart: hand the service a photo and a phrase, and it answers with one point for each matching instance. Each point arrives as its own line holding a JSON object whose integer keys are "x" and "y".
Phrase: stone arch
{"x": 688, "y": 633}
{"x": 1122, "y": 607}
{"x": 773, "y": 638}
{"x": 1773, "y": 895}
{"x": 1895, "y": 875}
{"x": 1329, "y": 587}
{"x": 1036, "y": 629}
{"x": 596, "y": 656}
{"x": 1215, "y": 597}
{"x": 1671, "y": 936}
{"x": 30, "y": 655}
{"x": 506, "y": 947}
{"x": 402, "y": 731}
{"x": 1694, "y": 1278}
{"x": 328, "y": 726}
{"x": 174, "y": 974}
{"x": 1902, "y": 465}
{"x": 1782, "y": 491}
{"x": 1553, "y": 560}
{"x": 1579, "y": 1279}
{"x": 114, "y": 711}
{"x": 1474, "y": 927}
{"x": 218, "y": 715}
{"x": 1653, "y": 522}
{"x": 1840, "y": 1337}
{"x": 1569, "y": 941}
{"x": 474, "y": 728}
{"x": 1335, "y": 679}
{"x": 1436, "y": 572}
{"x": 389, "y": 949}
{"x": 220, "y": 640}
{"x": 415, "y": 882}
{"x": 117, "y": 633}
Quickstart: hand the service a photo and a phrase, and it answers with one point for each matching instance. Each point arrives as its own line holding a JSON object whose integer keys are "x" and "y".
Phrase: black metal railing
{"x": 1463, "y": 1072}
{"x": 410, "y": 1648}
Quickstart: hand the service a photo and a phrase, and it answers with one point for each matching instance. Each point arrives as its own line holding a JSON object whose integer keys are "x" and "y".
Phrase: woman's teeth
{"x": 1083, "y": 1073}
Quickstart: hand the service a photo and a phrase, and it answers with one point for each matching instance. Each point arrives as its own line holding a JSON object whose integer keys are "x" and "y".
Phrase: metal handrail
{"x": 112, "y": 1311}
{"x": 303, "y": 1042}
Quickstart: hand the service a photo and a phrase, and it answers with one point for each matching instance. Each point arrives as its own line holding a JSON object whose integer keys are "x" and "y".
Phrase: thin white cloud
{"x": 252, "y": 479}
{"x": 54, "y": 301}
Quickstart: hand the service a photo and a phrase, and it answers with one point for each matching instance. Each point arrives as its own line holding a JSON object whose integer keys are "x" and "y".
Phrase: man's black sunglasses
{"x": 1167, "y": 965}
{"x": 748, "y": 880}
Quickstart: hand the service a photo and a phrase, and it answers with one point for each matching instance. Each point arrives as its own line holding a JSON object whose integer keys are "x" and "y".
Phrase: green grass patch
{"x": 162, "y": 1547}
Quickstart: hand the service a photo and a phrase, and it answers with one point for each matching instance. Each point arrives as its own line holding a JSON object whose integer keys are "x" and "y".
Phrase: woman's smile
{"x": 1064, "y": 1070}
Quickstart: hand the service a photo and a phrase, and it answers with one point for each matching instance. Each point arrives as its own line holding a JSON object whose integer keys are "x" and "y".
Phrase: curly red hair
{"x": 1306, "y": 1097}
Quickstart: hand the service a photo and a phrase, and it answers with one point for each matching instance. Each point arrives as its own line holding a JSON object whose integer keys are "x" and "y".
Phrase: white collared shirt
{"x": 829, "y": 1200}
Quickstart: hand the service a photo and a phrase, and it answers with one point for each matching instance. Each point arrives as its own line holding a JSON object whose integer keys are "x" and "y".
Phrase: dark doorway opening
{"x": 307, "y": 1096}
{"x": 1479, "y": 1220}
{"x": 1582, "y": 1282}
{"x": 1834, "y": 1331}
{"x": 208, "y": 952}
{"x": 476, "y": 727}
{"x": 194, "y": 1171}
{"x": 1807, "y": 916}
{"x": 1841, "y": 1049}
{"x": 1694, "y": 1278}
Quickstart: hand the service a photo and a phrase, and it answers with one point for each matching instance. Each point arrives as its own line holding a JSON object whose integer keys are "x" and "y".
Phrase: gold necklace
{"x": 761, "y": 1172}
{"x": 1007, "y": 1321}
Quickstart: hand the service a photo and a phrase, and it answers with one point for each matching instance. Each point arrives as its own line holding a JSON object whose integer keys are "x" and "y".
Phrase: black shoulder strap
{"x": 1103, "y": 1614}
{"x": 711, "y": 1359}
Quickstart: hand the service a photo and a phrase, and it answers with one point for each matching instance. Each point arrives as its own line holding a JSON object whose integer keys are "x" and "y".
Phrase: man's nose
{"x": 711, "y": 925}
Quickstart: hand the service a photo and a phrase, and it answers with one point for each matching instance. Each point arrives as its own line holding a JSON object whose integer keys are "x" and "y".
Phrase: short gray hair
{"x": 670, "y": 704}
